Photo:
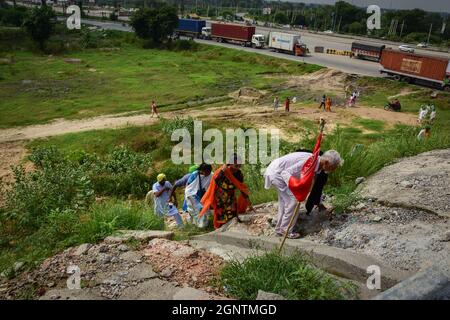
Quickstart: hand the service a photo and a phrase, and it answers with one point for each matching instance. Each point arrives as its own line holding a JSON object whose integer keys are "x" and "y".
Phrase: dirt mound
{"x": 118, "y": 271}
{"x": 420, "y": 182}
{"x": 247, "y": 94}
{"x": 323, "y": 80}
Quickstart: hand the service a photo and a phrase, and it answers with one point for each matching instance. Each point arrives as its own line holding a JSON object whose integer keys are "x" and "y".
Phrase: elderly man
{"x": 278, "y": 174}
{"x": 161, "y": 191}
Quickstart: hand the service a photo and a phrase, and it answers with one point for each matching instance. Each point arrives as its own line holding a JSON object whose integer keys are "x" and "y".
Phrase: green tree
{"x": 39, "y": 24}
{"x": 155, "y": 24}
{"x": 356, "y": 28}
{"x": 281, "y": 18}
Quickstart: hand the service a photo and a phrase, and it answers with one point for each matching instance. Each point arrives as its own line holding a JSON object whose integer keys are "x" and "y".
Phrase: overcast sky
{"x": 429, "y": 5}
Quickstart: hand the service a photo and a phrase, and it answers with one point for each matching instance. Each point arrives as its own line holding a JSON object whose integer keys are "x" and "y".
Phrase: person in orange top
{"x": 154, "y": 109}
{"x": 328, "y": 104}
{"x": 221, "y": 194}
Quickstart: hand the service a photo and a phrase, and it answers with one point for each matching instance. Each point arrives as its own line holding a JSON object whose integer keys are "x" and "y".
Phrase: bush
{"x": 12, "y": 16}
{"x": 168, "y": 126}
{"x": 120, "y": 173}
{"x": 54, "y": 186}
{"x": 39, "y": 24}
{"x": 292, "y": 276}
{"x": 104, "y": 219}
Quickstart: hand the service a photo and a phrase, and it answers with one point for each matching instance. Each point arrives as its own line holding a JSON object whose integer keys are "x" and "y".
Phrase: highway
{"x": 342, "y": 63}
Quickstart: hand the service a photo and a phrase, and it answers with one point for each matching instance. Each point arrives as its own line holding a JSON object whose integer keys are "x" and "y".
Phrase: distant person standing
{"x": 322, "y": 102}
{"x": 294, "y": 100}
{"x": 154, "y": 109}
{"x": 286, "y": 104}
{"x": 432, "y": 113}
{"x": 328, "y": 104}
{"x": 422, "y": 113}
{"x": 276, "y": 103}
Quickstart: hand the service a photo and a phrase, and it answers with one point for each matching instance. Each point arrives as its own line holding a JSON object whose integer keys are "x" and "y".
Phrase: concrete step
{"x": 340, "y": 262}
{"x": 229, "y": 252}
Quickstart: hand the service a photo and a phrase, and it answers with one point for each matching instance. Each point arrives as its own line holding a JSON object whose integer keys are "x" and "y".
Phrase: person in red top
{"x": 154, "y": 109}
{"x": 286, "y": 104}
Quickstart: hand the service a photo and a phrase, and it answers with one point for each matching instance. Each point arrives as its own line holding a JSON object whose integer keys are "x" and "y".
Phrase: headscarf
{"x": 160, "y": 177}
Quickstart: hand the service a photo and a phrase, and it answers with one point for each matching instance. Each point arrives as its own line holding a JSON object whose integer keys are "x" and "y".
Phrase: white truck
{"x": 286, "y": 42}
{"x": 258, "y": 41}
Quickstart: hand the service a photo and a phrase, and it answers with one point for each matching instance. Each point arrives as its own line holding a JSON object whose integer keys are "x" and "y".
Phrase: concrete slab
{"x": 430, "y": 284}
{"x": 341, "y": 262}
{"x": 141, "y": 235}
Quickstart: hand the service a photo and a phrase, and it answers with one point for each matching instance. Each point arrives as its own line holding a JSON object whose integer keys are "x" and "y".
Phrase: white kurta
{"x": 277, "y": 175}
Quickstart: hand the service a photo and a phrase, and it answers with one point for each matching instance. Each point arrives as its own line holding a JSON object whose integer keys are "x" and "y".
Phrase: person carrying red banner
{"x": 293, "y": 177}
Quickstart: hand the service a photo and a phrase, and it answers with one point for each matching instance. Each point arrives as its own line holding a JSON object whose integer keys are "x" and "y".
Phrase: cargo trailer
{"x": 414, "y": 68}
{"x": 225, "y": 32}
{"x": 190, "y": 28}
{"x": 286, "y": 42}
{"x": 367, "y": 51}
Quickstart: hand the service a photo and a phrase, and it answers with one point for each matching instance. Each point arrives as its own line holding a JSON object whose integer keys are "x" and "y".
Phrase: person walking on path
{"x": 154, "y": 109}
{"x": 322, "y": 102}
{"x": 286, "y": 104}
{"x": 276, "y": 103}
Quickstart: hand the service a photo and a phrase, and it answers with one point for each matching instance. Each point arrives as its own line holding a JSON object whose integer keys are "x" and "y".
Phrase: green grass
{"x": 370, "y": 124}
{"x": 292, "y": 276}
{"x": 65, "y": 228}
{"x": 127, "y": 80}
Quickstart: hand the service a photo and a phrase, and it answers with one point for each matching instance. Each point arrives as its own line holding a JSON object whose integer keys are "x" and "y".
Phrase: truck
{"x": 287, "y": 42}
{"x": 235, "y": 33}
{"x": 191, "y": 28}
{"x": 367, "y": 51}
{"x": 414, "y": 68}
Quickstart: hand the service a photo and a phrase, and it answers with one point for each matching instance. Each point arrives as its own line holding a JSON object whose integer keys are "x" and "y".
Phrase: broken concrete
{"x": 141, "y": 235}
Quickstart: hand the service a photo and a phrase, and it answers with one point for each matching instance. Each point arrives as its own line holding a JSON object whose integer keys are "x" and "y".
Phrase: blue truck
{"x": 190, "y": 28}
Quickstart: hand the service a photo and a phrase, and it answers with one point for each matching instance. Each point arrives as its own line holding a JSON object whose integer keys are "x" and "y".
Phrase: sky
{"x": 428, "y": 5}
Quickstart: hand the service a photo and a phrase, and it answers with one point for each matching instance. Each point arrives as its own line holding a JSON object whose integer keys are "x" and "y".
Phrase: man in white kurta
{"x": 278, "y": 174}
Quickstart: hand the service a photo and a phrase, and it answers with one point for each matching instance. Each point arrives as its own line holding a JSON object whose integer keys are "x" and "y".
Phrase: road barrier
{"x": 340, "y": 52}
{"x": 319, "y": 49}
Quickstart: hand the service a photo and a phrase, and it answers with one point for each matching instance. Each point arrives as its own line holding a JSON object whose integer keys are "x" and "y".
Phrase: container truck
{"x": 190, "y": 28}
{"x": 367, "y": 51}
{"x": 414, "y": 68}
{"x": 224, "y": 32}
{"x": 287, "y": 42}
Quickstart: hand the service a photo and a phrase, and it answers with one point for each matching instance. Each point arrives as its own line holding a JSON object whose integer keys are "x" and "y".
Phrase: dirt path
{"x": 12, "y": 146}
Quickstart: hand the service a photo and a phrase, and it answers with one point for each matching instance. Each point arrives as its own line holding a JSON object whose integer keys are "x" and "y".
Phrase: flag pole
{"x": 297, "y": 207}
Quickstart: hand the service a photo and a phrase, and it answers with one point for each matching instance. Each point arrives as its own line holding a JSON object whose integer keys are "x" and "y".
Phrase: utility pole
{"x": 429, "y": 34}
{"x": 339, "y": 25}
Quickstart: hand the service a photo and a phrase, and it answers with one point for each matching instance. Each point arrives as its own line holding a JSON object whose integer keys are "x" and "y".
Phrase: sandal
{"x": 293, "y": 235}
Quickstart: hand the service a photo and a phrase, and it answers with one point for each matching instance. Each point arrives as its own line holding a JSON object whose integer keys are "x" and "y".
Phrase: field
{"x": 38, "y": 88}
{"x": 80, "y": 187}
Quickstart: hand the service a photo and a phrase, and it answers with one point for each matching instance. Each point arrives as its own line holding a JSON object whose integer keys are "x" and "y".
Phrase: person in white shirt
{"x": 433, "y": 113}
{"x": 278, "y": 174}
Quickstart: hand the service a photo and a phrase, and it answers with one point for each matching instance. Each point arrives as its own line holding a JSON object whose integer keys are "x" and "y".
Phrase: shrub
{"x": 168, "y": 126}
{"x": 106, "y": 218}
{"x": 35, "y": 194}
{"x": 39, "y": 24}
{"x": 12, "y": 16}
{"x": 292, "y": 276}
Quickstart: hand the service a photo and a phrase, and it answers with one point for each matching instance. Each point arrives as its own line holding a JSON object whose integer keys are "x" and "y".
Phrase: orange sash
{"x": 209, "y": 200}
